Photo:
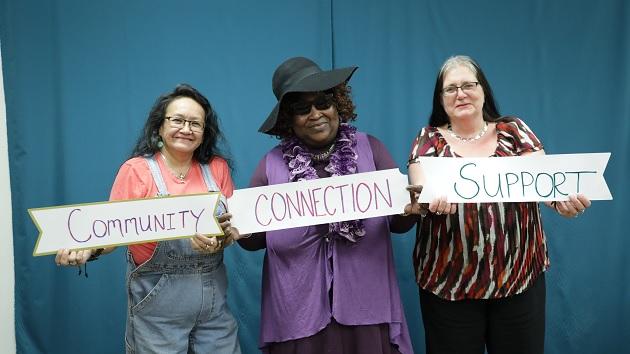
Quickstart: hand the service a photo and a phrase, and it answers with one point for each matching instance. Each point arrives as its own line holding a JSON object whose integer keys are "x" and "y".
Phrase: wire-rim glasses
{"x": 178, "y": 122}
{"x": 467, "y": 87}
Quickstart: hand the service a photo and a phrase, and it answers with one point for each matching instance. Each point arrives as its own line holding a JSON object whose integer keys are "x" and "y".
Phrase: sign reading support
{"x": 515, "y": 179}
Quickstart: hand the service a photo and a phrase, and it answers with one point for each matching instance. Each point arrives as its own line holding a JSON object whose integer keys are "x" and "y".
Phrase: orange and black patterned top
{"x": 484, "y": 250}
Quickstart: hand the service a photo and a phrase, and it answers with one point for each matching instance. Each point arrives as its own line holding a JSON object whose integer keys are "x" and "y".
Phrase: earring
{"x": 157, "y": 140}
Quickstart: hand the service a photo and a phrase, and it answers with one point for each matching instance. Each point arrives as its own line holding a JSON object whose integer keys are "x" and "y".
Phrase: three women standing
{"x": 332, "y": 288}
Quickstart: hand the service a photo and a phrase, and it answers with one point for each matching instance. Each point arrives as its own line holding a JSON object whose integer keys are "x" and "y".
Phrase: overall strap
{"x": 210, "y": 183}
{"x": 157, "y": 176}
{"x": 207, "y": 177}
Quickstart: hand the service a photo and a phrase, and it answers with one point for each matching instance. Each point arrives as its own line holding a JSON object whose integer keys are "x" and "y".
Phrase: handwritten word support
{"x": 515, "y": 179}
{"x": 115, "y": 223}
{"x": 319, "y": 201}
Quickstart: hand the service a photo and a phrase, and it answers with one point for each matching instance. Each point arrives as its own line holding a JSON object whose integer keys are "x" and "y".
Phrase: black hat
{"x": 300, "y": 74}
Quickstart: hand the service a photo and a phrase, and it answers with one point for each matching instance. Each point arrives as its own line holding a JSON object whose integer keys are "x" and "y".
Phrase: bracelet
{"x": 94, "y": 256}
{"x": 423, "y": 213}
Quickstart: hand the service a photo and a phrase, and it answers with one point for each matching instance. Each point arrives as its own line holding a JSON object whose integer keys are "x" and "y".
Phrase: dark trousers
{"x": 510, "y": 325}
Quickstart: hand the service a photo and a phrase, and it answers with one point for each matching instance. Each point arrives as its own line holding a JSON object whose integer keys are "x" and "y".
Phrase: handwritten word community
{"x": 322, "y": 201}
{"x": 82, "y": 230}
{"x": 508, "y": 184}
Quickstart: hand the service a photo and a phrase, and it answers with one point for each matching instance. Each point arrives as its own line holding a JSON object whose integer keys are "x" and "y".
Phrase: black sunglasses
{"x": 322, "y": 101}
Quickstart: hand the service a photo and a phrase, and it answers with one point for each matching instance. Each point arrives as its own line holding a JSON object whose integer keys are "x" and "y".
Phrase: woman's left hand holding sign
{"x": 66, "y": 257}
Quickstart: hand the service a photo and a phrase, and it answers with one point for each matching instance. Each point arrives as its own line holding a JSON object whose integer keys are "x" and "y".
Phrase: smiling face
{"x": 180, "y": 140}
{"x": 464, "y": 103}
{"x": 318, "y": 127}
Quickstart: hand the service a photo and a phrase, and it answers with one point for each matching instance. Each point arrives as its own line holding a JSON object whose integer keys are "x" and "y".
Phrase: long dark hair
{"x": 490, "y": 108}
{"x": 148, "y": 141}
{"x": 342, "y": 95}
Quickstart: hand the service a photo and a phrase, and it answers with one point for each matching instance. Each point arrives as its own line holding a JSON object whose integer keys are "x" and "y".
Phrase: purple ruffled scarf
{"x": 343, "y": 161}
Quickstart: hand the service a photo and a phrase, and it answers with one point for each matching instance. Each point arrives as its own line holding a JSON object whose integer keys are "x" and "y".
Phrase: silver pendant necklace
{"x": 481, "y": 133}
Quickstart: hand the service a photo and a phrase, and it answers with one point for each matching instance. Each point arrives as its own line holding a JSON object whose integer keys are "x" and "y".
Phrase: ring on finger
{"x": 438, "y": 213}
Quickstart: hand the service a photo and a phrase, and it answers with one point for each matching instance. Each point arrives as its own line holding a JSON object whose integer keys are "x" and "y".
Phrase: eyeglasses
{"x": 178, "y": 122}
{"x": 466, "y": 87}
{"x": 321, "y": 102}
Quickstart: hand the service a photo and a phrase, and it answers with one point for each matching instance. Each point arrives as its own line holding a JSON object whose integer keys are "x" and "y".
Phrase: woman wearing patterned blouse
{"x": 479, "y": 266}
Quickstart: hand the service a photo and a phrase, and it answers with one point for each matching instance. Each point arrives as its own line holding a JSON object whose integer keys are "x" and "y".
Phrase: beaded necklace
{"x": 481, "y": 133}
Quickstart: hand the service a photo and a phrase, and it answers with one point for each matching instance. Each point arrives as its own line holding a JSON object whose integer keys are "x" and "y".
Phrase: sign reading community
{"x": 94, "y": 225}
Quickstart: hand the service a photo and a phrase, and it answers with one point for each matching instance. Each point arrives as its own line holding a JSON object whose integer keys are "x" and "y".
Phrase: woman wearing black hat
{"x": 331, "y": 287}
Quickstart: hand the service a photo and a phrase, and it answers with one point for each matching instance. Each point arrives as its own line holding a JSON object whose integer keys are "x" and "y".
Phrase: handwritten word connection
{"x": 520, "y": 184}
{"x": 319, "y": 201}
{"x": 322, "y": 201}
{"x": 155, "y": 223}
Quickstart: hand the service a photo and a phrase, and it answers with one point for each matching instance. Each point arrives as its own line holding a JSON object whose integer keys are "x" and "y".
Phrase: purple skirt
{"x": 339, "y": 339}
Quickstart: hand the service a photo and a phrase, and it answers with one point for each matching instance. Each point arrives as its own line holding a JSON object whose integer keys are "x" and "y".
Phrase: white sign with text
{"x": 103, "y": 224}
{"x": 515, "y": 179}
{"x": 320, "y": 201}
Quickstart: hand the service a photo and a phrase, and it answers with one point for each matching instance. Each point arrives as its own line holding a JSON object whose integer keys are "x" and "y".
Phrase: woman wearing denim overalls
{"x": 176, "y": 289}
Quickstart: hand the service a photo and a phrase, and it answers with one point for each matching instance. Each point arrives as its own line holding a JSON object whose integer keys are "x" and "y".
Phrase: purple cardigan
{"x": 302, "y": 265}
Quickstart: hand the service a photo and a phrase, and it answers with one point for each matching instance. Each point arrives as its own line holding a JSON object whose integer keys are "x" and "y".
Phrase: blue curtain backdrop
{"x": 80, "y": 77}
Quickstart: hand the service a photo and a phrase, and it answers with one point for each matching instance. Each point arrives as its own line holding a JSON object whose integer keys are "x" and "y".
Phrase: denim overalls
{"x": 177, "y": 299}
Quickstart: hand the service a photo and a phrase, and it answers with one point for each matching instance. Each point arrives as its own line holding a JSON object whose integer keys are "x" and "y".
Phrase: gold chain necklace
{"x": 180, "y": 175}
{"x": 323, "y": 156}
{"x": 481, "y": 133}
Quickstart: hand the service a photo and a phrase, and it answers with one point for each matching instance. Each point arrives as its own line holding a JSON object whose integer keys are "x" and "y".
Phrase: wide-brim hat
{"x": 301, "y": 74}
